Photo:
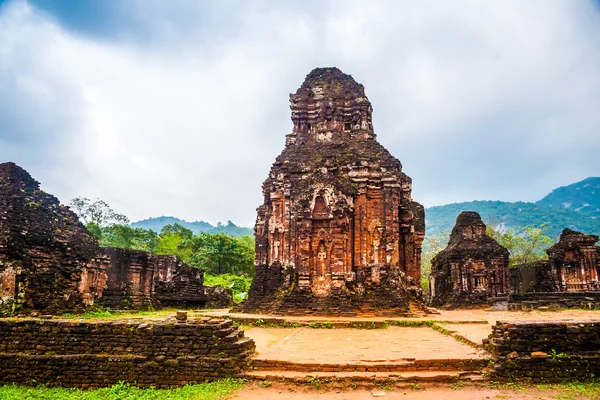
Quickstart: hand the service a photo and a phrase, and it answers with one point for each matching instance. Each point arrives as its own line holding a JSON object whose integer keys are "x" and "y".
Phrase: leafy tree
{"x": 96, "y": 212}
{"x": 126, "y": 237}
{"x": 525, "y": 245}
{"x": 221, "y": 253}
{"x": 432, "y": 245}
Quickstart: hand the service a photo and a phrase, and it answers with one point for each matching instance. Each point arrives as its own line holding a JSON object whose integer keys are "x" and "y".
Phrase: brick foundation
{"x": 570, "y": 350}
{"x": 97, "y": 354}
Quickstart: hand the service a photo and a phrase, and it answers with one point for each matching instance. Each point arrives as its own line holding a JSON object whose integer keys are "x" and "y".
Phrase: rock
{"x": 512, "y": 355}
{"x": 218, "y": 297}
{"x": 539, "y": 354}
{"x": 379, "y": 394}
{"x": 338, "y": 231}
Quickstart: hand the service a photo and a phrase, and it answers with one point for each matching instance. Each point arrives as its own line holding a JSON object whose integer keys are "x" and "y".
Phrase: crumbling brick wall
{"x": 546, "y": 350}
{"x": 568, "y": 278}
{"x": 138, "y": 279}
{"x": 50, "y": 263}
{"x": 44, "y": 249}
{"x": 160, "y": 354}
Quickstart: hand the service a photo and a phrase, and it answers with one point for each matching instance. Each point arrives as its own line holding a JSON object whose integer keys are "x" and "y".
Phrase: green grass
{"x": 107, "y": 313}
{"x": 573, "y": 391}
{"x": 209, "y": 391}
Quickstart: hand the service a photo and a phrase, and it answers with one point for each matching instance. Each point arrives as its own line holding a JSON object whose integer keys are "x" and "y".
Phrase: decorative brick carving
{"x": 568, "y": 278}
{"x": 338, "y": 232}
{"x": 472, "y": 269}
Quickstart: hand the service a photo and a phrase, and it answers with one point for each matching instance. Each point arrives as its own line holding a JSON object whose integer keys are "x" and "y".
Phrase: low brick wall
{"x": 97, "y": 354}
{"x": 546, "y": 351}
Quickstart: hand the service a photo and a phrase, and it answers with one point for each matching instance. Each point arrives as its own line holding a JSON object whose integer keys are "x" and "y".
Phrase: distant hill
{"x": 580, "y": 196}
{"x": 575, "y": 206}
{"x": 156, "y": 224}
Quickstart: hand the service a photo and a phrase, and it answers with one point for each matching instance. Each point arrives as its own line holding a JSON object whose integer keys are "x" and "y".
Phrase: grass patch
{"x": 572, "y": 391}
{"x": 107, "y": 313}
{"x": 208, "y": 391}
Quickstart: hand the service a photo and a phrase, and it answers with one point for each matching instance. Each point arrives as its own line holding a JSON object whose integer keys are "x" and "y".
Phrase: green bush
{"x": 238, "y": 284}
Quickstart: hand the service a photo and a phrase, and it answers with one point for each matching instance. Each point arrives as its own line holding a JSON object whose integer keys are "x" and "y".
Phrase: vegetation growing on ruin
{"x": 228, "y": 261}
{"x": 525, "y": 244}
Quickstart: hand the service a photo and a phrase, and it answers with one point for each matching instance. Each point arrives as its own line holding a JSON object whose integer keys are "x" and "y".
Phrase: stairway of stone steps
{"x": 443, "y": 370}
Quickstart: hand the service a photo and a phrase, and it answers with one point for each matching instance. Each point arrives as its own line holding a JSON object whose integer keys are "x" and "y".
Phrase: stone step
{"x": 407, "y": 365}
{"x": 365, "y": 377}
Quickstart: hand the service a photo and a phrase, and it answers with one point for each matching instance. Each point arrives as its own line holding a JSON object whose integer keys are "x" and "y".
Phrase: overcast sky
{"x": 180, "y": 107}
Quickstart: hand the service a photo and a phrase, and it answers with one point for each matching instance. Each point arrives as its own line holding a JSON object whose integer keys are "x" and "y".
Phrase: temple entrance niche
{"x": 321, "y": 210}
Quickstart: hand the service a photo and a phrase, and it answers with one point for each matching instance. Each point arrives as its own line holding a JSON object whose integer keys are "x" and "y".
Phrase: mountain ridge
{"x": 575, "y": 206}
{"x": 157, "y": 223}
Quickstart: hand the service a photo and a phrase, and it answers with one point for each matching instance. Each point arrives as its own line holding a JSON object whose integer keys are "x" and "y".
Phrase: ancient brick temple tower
{"x": 338, "y": 232}
{"x": 473, "y": 269}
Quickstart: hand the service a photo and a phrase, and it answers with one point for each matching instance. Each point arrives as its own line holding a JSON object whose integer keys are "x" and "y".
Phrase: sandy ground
{"x": 436, "y": 392}
{"x": 337, "y": 346}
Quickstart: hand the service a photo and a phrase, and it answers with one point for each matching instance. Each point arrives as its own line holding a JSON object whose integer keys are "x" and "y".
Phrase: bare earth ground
{"x": 430, "y": 392}
{"x": 305, "y": 344}
{"x": 451, "y": 316}
{"x": 338, "y": 346}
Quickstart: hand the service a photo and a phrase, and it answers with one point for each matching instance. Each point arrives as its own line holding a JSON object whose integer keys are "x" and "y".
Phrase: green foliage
{"x": 209, "y": 391}
{"x": 514, "y": 215}
{"x": 527, "y": 244}
{"x": 156, "y": 224}
{"x": 216, "y": 254}
{"x": 125, "y": 237}
{"x": 97, "y": 212}
{"x": 238, "y": 284}
{"x": 432, "y": 245}
{"x": 581, "y": 196}
{"x": 221, "y": 254}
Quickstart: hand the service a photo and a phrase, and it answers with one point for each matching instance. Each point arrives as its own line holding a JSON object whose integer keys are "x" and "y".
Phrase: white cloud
{"x": 479, "y": 100}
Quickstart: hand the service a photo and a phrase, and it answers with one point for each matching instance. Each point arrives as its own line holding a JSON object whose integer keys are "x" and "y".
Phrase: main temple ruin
{"x": 338, "y": 232}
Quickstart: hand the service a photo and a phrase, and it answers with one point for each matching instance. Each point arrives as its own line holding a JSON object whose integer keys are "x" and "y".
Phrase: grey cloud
{"x": 478, "y": 100}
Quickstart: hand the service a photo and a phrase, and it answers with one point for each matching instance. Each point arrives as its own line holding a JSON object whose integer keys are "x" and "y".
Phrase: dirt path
{"x": 337, "y": 346}
{"x": 257, "y": 391}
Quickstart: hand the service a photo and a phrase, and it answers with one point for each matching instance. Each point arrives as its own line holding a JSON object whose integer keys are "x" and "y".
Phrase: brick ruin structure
{"x": 569, "y": 277}
{"x": 50, "y": 262}
{"x": 338, "y": 232}
{"x": 472, "y": 269}
{"x": 163, "y": 354}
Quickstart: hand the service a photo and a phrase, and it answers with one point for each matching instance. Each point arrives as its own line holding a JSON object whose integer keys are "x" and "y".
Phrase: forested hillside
{"x": 575, "y": 206}
{"x": 582, "y": 196}
{"x": 156, "y": 224}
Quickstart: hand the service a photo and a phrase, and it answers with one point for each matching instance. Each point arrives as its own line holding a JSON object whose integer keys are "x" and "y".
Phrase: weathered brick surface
{"x": 472, "y": 269}
{"x": 44, "y": 249}
{"x": 568, "y": 278}
{"x": 338, "y": 232}
{"x": 416, "y": 365}
{"x": 95, "y": 354}
{"x": 573, "y": 349}
{"x": 50, "y": 263}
